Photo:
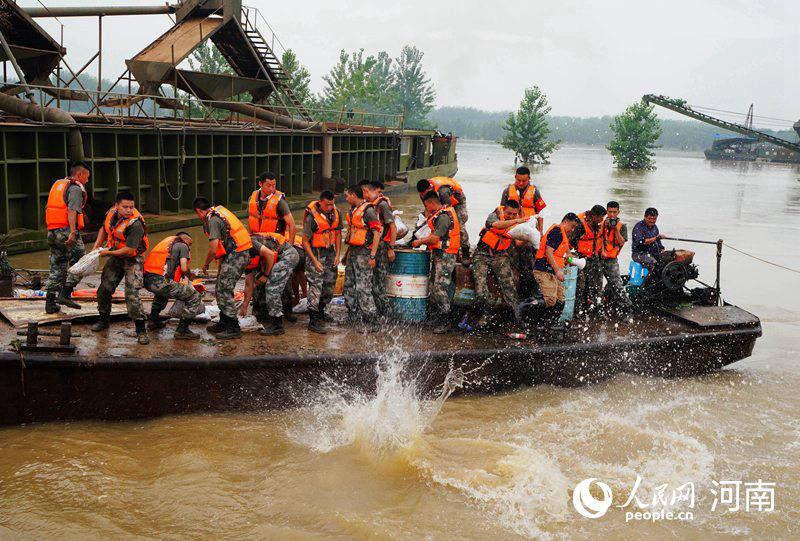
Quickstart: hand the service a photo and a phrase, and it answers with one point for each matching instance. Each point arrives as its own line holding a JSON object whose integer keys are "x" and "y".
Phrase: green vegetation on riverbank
{"x": 471, "y": 123}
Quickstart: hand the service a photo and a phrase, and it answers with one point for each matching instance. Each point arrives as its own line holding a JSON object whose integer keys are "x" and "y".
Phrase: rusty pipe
{"x": 33, "y": 111}
{"x": 265, "y": 114}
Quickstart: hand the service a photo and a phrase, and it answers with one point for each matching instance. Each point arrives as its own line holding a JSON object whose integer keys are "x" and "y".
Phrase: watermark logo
{"x": 586, "y": 504}
{"x": 663, "y": 502}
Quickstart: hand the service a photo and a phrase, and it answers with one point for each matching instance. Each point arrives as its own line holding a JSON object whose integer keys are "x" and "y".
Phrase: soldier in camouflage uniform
{"x": 373, "y": 192}
{"x": 230, "y": 243}
{"x": 164, "y": 266}
{"x": 125, "y": 231}
{"x": 443, "y": 244}
{"x": 65, "y": 218}
{"x": 363, "y": 237}
{"x": 278, "y": 263}
{"x": 615, "y": 235}
{"x": 322, "y": 242}
{"x": 493, "y": 253}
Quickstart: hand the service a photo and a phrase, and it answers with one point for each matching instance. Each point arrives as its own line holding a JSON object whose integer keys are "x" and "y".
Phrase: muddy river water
{"x": 716, "y": 456}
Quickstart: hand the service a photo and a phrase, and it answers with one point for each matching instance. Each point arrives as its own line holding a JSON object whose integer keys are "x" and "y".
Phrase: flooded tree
{"x": 414, "y": 92}
{"x": 636, "y": 132}
{"x": 527, "y": 132}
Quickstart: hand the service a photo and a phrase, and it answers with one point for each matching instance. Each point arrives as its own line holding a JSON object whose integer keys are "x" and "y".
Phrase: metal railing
{"x": 187, "y": 109}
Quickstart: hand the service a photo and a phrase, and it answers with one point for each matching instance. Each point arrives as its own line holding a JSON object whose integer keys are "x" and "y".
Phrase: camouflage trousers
{"x": 500, "y": 266}
{"x": 231, "y": 269}
{"x": 439, "y": 282}
{"x": 164, "y": 290}
{"x": 590, "y": 283}
{"x": 358, "y": 285}
{"x": 614, "y": 288}
{"x": 115, "y": 269}
{"x": 463, "y": 216}
{"x": 279, "y": 276}
{"x": 62, "y": 257}
{"x": 321, "y": 284}
{"x": 379, "y": 274}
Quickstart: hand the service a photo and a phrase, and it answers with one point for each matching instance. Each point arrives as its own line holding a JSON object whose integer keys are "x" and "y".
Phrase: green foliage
{"x": 207, "y": 59}
{"x": 471, "y": 123}
{"x": 378, "y": 84}
{"x": 636, "y": 133}
{"x": 413, "y": 91}
{"x": 359, "y": 83}
{"x": 527, "y": 132}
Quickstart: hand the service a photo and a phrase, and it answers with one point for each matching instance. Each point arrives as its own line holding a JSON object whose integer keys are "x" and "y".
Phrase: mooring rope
{"x": 762, "y": 260}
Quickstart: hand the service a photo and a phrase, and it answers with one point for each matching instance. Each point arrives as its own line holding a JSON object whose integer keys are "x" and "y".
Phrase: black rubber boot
{"x": 314, "y": 323}
{"x": 141, "y": 332}
{"x": 50, "y": 304}
{"x": 288, "y": 314}
{"x": 230, "y": 330}
{"x": 155, "y": 321}
{"x": 102, "y": 323}
{"x": 182, "y": 331}
{"x": 214, "y": 328}
{"x": 275, "y": 327}
{"x": 65, "y": 298}
{"x": 323, "y": 317}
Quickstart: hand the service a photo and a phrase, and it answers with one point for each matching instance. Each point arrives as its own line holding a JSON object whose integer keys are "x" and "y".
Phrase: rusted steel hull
{"x": 39, "y": 388}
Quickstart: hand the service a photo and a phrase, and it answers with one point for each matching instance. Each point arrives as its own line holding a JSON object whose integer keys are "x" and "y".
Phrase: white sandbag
{"x": 177, "y": 308}
{"x": 402, "y": 228}
{"x": 302, "y": 306}
{"x": 86, "y": 265}
{"x": 526, "y": 231}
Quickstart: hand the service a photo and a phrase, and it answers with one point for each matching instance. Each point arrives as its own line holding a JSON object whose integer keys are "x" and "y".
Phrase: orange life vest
{"x": 526, "y": 202}
{"x": 325, "y": 235}
{"x": 388, "y": 236}
{"x": 156, "y": 261}
{"x": 591, "y": 242}
{"x": 498, "y": 240}
{"x": 558, "y": 253}
{"x": 56, "y": 214}
{"x": 454, "y": 186}
{"x": 356, "y": 227}
{"x": 267, "y": 220}
{"x": 454, "y": 235}
{"x": 234, "y": 229}
{"x": 611, "y": 248}
{"x": 115, "y": 233}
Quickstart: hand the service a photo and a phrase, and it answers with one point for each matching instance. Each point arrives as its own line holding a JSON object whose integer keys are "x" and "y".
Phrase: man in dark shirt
{"x": 548, "y": 269}
{"x": 646, "y": 240}
{"x": 126, "y": 233}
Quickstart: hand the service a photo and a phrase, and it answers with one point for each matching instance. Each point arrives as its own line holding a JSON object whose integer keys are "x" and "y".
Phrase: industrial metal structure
{"x": 680, "y": 106}
{"x": 170, "y": 134}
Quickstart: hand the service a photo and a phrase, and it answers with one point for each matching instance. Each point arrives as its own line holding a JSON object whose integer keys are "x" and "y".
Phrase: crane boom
{"x": 678, "y": 107}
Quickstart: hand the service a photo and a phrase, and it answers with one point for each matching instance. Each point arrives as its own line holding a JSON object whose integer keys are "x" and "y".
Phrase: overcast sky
{"x": 591, "y": 58}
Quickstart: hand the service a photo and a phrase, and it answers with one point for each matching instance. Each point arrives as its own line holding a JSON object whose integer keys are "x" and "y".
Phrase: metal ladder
{"x": 272, "y": 65}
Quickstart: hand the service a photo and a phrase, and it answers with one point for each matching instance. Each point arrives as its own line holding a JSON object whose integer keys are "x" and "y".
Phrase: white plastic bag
{"x": 86, "y": 265}
{"x": 526, "y": 231}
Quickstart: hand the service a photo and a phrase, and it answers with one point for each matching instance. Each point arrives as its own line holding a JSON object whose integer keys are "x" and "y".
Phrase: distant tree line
{"x": 471, "y": 123}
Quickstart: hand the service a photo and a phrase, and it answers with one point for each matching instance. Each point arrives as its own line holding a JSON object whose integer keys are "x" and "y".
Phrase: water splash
{"x": 393, "y": 418}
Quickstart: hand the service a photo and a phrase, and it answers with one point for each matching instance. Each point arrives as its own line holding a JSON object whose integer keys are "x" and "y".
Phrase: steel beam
{"x": 99, "y": 11}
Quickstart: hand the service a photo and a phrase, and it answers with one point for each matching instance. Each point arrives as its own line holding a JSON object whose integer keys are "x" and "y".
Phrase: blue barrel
{"x": 407, "y": 284}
